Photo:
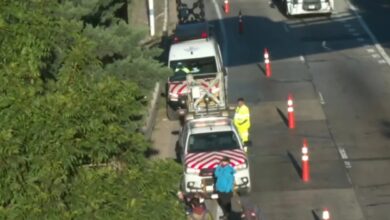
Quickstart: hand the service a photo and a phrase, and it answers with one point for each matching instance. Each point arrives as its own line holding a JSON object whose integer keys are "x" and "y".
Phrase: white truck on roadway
{"x": 205, "y": 83}
{"x": 302, "y": 7}
{"x": 202, "y": 144}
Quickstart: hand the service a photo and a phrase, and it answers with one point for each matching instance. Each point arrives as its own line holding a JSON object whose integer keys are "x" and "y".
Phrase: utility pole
{"x": 151, "y": 17}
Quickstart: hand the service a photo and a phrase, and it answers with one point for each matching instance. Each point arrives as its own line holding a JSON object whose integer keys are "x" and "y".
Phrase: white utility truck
{"x": 302, "y": 7}
{"x": 205, "y": 81}
{"x": 202, "y": 144}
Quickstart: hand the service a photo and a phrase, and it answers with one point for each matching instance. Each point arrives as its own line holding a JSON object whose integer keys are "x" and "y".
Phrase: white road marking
{"x": 322, "y": 100}
{"x": 369, "y": 32}
{"x": 324, "y": 45}
{"x": 351, "y": 29}
{"x": 219, "y": 212}
{"x": 343, "y": 153}
{"x": 360, "y": 39}
{"x": 302, "y": 58}
{"x": 285, "y": 26}
{"x": 165, "y": 119}
{"x": 375, "y": 55}
{"x": 382, "y": 61}
{"x": 349, "y": 179}
{"x": 344, "y": 156}
{"x": 370, "y": 50}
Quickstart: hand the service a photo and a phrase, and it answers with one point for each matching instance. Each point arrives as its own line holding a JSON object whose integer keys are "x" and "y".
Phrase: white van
{"x": 202, "y": 57}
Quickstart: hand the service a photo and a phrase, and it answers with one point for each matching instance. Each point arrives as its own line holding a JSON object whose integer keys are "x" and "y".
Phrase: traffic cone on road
{"x": 267, "y": 63}
{"x": 240, "y": 23}
{"x": 325, "y": 214}
{"x": 305, "y": 149}
{"x": 305, "y": 168}
{"x": 305, "y": 162}
{"x": 226, "y": 6}
{"x": 290, "y": 110}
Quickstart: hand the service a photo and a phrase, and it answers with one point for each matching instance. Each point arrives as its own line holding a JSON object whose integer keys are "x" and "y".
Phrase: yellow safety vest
{"x": 184, "y": 69}
{"x": 242, "y": 117}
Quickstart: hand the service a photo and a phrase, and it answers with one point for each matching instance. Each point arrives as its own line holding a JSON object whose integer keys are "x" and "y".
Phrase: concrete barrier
{"x": 152, "y": 111}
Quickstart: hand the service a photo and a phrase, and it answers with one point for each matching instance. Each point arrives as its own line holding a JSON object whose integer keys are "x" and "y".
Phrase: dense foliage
{"x": 73, "y": 78}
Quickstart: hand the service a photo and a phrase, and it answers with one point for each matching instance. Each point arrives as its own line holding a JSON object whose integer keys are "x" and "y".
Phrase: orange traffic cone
{"x": 267, "y": 63}
{"x": 290, "y": 110}
{"x": 226, "y": 6}
{"x": 305, "y": 162}
{"x": 305, "y": 168}
{"x": 240, "y": 23}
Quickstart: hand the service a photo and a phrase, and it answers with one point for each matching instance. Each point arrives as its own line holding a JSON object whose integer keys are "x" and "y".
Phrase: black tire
{"x": 171, "y": 113}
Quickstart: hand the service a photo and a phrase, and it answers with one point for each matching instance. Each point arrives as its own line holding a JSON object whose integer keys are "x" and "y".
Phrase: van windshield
{"x": 215, "y": 141}
{"x": 195, "y": 66}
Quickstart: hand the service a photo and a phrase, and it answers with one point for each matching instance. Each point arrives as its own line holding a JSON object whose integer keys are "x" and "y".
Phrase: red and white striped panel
{"x": 180, "y": 88}
{"x": 212, "y": 159}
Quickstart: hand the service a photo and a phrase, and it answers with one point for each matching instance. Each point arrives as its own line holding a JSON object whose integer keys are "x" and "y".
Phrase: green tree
{"x": 70, "y": 111}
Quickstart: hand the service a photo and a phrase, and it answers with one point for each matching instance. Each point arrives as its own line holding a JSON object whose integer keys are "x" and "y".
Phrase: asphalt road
{"x": 340, "y": 83}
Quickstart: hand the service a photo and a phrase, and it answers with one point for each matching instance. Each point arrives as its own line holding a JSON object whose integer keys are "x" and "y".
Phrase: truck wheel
{"x": 171, "y": 113}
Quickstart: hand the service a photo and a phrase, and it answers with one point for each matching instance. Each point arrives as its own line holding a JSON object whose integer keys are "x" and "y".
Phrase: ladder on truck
{"x": 206, "y": 98}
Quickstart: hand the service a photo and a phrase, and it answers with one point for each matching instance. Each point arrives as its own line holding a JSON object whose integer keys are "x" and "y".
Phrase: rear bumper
{"x": 177, "y": 103}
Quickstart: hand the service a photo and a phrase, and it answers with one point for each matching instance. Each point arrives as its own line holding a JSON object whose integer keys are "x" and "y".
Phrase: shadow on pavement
{"x": 386, "y": 128}
{"x": 295, "y": 163}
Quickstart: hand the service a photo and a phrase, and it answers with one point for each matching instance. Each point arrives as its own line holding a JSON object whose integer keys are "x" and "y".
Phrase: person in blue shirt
{"x": 224, "y": 173}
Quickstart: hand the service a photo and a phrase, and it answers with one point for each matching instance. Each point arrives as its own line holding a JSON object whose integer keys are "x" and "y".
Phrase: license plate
{"x": 312, "y": 7}
{"x": 209, "y": 188}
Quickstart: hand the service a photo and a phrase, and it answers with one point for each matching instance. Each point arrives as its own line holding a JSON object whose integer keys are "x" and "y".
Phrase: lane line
{"x": 375, "y": 55}
{"x": 302, "y": 58}
{"x": 285, "y": 26}
{"x": 370, "y": 34}
{"x": 322, "y": 100}
{"x": 347, "y": 25}
{"x": 360, "y": 39}
{"x": 324, "y": 45}
{"x": 382, "y": 61}
{"x": 370, "y": 50}
{"x": 344, "y": 156}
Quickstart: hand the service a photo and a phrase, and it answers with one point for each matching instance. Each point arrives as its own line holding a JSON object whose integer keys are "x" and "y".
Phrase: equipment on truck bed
{"x": 189, "y": 11}
{"x": 206, "y": 98}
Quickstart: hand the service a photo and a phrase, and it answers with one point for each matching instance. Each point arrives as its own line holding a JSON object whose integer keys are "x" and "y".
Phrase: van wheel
{"x": 171, "y": 113}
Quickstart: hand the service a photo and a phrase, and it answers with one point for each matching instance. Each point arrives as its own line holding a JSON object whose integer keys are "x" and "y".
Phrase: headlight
{"x": 242, "y": 166}
{"x": 190, "y": 170}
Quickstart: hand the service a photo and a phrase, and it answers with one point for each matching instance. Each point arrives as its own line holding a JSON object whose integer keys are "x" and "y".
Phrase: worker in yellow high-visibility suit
{"x": 242, "y": 120}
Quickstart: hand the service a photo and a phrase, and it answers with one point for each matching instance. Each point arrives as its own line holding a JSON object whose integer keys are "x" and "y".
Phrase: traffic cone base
{"x": 325, "y": 214}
